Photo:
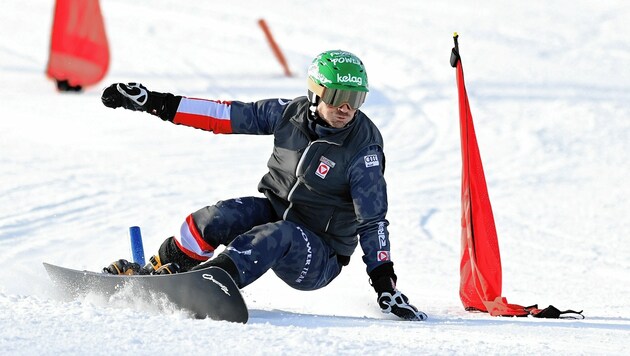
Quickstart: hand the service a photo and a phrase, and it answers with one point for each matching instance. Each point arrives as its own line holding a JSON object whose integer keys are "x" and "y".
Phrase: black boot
{"x": 225, "y": 263}
{"x": 170, "y": 253}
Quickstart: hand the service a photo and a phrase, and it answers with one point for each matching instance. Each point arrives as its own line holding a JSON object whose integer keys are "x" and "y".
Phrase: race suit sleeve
{"x": 369, "y": 196}
{"x": 230, "y": 117}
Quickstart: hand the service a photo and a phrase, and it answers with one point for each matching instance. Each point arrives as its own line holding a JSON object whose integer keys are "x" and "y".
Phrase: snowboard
{"x": 208, "y": 292}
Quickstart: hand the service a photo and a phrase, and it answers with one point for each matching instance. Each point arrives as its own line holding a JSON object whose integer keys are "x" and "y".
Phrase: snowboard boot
{"x": 169, "y": 252}
{"x": 169, "y": 259}
{"x": 125, "y": 267}
{"x": 225, "y": 263}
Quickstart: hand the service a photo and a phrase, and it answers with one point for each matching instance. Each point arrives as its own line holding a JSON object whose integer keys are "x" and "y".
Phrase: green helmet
{"x": 339, "y": 70}
{"x": 338, "y": 77}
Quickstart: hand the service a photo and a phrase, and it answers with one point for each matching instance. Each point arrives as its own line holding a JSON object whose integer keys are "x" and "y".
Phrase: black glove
{"x": 131, "y": 96}
{"x": 398, "y": 304}
{"x": 136, "y": 97}
{"x": 390, "y": 299}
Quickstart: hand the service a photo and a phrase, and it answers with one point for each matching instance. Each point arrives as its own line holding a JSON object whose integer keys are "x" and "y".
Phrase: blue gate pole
{"x": 137, "y": 249}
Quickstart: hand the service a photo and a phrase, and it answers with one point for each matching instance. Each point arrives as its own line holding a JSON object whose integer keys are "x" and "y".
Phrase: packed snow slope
{"x": 549, "y": 86}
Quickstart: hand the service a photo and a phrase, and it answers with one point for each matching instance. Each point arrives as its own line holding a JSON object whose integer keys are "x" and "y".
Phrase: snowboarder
{"x": 324, "y": 193}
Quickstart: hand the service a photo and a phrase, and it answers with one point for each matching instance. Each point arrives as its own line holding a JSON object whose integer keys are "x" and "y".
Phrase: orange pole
{"x": 274, "y": 47}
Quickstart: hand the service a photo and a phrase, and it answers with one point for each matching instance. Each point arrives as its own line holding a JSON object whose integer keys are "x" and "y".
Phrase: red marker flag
{"x": 480, "y": 267}
{"x": 79, "y": 52}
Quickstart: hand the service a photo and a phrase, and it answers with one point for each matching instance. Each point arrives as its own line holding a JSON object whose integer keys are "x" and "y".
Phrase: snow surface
{"x": 548, "y": 83}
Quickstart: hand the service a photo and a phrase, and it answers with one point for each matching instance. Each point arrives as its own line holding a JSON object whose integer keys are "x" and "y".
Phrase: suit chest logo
{"x": 325, "y": 165}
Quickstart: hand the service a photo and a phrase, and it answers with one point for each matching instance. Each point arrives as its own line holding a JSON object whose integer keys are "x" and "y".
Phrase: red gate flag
{"x": 480, "y": 267}
{"x": 79, "y": 52}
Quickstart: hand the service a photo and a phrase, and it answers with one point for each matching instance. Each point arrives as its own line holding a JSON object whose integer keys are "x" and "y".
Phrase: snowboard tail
{"x": 208, "y": 292}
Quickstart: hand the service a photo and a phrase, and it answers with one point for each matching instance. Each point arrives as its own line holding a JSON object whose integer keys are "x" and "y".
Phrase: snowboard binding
{"x": 154, "y": 267}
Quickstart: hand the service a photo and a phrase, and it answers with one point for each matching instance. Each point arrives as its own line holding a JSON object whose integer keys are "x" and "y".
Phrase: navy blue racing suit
{"x": 324, "y": 193}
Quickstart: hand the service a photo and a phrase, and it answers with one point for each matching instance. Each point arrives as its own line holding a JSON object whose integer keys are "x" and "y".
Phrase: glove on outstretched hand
{"x": 132, "y": 96}
{"x": 390, "y": 299}
{"x": 136, "y": 97}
